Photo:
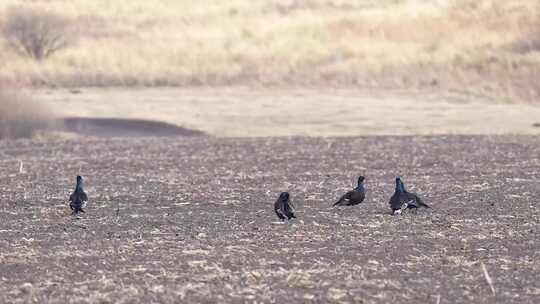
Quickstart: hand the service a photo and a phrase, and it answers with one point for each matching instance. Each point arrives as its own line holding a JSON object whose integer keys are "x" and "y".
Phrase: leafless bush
{"x": 21, "y": 116}
{"x": 35, "y": 33}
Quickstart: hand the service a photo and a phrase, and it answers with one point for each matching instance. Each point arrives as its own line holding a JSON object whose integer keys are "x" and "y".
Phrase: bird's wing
{"x": 340, "y": 200}
{"x": 285, "y": 208}
{"x": 416, "y": 200}
{"x": 395, "y": 201}
{"x": 344, "y": 198}
{"x": 279, "y": 213}
{"x": 357, "y": 197}
{"x": 84, "y": 197}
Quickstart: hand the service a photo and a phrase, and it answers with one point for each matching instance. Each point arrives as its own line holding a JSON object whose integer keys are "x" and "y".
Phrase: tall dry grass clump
{"x": 20, "y": 115}
{"x": 34, "y": 32}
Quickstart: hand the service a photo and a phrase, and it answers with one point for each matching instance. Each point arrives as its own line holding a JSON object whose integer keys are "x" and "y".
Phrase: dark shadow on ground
{"x": 116, "y": 127}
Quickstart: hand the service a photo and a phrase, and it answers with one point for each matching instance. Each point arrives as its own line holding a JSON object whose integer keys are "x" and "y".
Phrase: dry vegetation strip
{"x": 488, "y": 46}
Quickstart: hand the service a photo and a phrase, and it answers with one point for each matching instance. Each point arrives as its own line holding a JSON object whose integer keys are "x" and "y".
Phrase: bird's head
{"x": 361, "y": 179}
{"x": 401, "y": 186}
{"x": 79, "y": 180}
{"x": 284, "y": 196}
{"x": 398, "y": 183}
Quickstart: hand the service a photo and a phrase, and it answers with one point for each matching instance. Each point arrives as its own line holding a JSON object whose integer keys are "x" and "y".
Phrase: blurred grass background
{"x": 21, "y": 115}
{"x": 487, "y": 47}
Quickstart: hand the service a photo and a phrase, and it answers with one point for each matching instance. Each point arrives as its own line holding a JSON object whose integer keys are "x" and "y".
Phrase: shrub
{"x": 21, "y": 116}
{"x": 34, "y": 32}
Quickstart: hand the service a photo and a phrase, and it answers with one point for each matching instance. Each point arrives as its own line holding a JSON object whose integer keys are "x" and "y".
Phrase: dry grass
{"x": 22, "y": 116}
{"x": 461, "y": 44}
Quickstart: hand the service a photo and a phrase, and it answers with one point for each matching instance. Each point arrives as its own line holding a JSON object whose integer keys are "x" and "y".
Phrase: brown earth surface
{"x": 190, "y": 220}
{"x": 261, "y": 112}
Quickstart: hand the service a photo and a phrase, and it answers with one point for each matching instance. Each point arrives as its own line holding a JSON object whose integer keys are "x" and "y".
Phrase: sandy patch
{"x": 229, "y": 112}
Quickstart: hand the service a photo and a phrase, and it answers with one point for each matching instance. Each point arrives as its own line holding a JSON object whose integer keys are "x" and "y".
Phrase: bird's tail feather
{"x": 421, "y": 203}
{"x": 340, "y": 201}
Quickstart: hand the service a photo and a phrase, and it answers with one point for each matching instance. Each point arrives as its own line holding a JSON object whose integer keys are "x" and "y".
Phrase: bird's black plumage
{"x": 353, "y": 197}
{"x": 404, "y": 199}
{"x": 78, "y": 199}
{"x": 283, "y": 207}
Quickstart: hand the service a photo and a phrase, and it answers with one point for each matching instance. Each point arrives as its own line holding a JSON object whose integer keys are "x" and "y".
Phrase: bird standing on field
{"x": 283, "y": 207}
{"x": 355, "y": 196}
{"x": 78, "y": 199}
{"x": 402, "y": 199}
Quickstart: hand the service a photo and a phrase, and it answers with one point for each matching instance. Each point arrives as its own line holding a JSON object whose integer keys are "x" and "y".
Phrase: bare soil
{"x": 262, "y": 112}
{"x": 175, "y": 220}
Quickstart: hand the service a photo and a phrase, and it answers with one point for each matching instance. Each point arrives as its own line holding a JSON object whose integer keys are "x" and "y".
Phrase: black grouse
{"x": 355, "y": 196}
{"x": 283, "y": 207}
{"x": 78, "y": 199}
{"x": 402, "y": 199}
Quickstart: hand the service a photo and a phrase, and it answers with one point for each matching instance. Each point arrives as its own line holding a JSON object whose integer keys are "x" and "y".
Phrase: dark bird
{"x": 78, "y": 199}
{"x": 353, "y": 197}
{"x": 402, "y": 199}
{"x": 283, "y": 207}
